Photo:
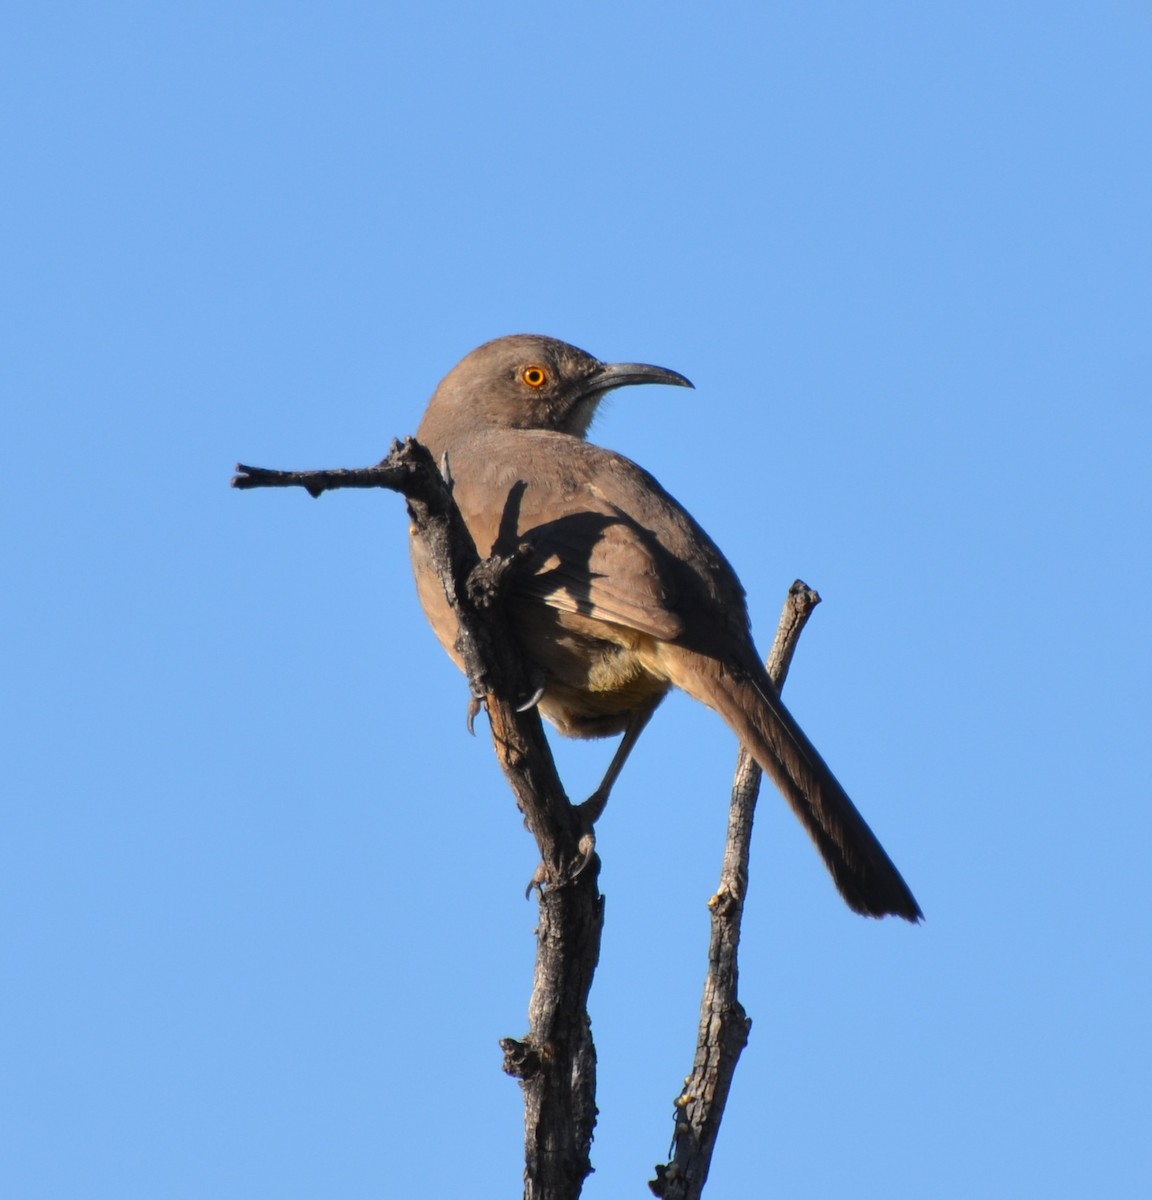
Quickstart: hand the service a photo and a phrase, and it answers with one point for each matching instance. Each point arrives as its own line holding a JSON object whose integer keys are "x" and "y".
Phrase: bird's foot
{"x": 586, "y": 813}
{"x": 587, "y": 848}
{"x": 541, "y": 877}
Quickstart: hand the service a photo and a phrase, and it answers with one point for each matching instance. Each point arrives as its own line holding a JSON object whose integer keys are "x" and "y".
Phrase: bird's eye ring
{"x": 534, "y": 377}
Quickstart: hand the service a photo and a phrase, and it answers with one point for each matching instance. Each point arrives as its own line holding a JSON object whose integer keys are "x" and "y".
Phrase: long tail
{"x": 864, "y": 874}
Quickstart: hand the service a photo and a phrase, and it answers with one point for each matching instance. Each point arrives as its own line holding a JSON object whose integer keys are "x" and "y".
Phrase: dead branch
{"x": 724, "y": 1025}
{"x": 556, "y": 1060}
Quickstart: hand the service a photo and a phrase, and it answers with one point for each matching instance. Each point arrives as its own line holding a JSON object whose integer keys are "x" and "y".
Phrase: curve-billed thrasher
{"x": 623, "y": 594}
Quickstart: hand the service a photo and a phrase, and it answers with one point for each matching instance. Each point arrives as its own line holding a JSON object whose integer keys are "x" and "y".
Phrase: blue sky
{"x": 261, "y": 896}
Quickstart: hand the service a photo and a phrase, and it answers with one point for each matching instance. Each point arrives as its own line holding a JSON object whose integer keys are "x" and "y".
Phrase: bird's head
{"x": 527, "y": 381}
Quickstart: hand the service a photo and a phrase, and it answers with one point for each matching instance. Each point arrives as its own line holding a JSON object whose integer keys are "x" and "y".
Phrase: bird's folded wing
{"x": 606, "y": 540}
{"x": 602, "y": 566}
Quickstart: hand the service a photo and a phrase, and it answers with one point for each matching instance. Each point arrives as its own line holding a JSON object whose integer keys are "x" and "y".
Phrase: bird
{"x": 621, "y": 595}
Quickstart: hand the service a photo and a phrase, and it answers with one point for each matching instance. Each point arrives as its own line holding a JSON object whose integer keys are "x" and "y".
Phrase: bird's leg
{"x": 594, "y": 806}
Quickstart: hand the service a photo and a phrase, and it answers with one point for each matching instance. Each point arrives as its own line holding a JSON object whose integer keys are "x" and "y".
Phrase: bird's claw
{"x": 544, "y": 877}
{"x": 532, "y": 700}
{"x": 538, "y": 880}
{"x": 587, "y": 848}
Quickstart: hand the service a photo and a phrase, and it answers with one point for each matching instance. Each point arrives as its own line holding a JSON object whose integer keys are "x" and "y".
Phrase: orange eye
{"x": 534, "y": 377}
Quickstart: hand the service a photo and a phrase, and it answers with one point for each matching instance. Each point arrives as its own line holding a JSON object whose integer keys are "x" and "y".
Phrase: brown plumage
{"x": 625, "y": 596}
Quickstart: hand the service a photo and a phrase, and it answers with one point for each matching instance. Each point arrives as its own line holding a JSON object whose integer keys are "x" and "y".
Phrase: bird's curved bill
{"x": 614, "y": 375}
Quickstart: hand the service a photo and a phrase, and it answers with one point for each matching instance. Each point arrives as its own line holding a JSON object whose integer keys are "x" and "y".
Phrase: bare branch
{"x": 556, "y": 1060}
{"x": 724, "y": 1025}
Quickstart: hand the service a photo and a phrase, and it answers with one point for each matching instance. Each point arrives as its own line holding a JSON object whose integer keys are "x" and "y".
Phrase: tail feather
{"x": 864, "y": 874}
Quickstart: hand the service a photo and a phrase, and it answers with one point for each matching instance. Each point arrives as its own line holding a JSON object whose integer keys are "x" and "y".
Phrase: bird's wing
{"x": 609, "y": 543}
{"x": 602, "y": 566}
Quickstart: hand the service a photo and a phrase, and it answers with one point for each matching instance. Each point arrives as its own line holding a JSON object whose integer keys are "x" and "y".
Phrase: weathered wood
{"x": 724, "y": 1025}
{"x": 556, "y": 1060}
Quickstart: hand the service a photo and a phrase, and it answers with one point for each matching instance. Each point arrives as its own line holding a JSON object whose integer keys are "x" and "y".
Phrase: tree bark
{"x": 724, "y": 1025}
{"x": 556, "y": 1060}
